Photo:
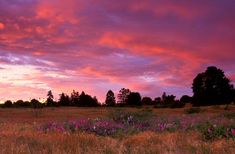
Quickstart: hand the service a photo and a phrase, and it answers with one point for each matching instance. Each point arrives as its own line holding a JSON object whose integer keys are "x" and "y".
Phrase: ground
{"x": 19, "y": 133}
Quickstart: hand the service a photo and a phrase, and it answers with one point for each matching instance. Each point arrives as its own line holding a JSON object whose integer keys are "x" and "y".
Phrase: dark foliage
{"x": 8, "y": 103}
{"x": 157, "y": 100}
{"x": 168, "y": 101}
{"x": 212, "y": 87}
{"x": 122, "y": 96}
{"x": 64, "y": 100}
{"x": 134, "y": 99}
{"x": 50, "y": 99}
{"x": 186, "y": 99}
{"x": 36, "y": 104}
{"x": 147, "y": 101}
{"x": 21, "y": 103}
{"x": 110, "y": 98}
{"x": 87, "y": 101}
{"x": 74, "y": 99}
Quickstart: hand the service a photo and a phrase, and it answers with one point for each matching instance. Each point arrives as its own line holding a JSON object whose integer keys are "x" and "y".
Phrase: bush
{"x": 8, "y": 104}
{"x": 168, "y": 101}
{"x": 36, "y": 104}
{"x": 193, "y": 110}
{"x": 186, "y": 99}
{"x": 21, "y": 103}
{"x": 212, "y": 132}
{"x": 147, "y": 101}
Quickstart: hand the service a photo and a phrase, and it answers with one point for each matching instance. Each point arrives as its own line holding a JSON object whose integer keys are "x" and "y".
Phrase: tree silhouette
{"x": 134, "y": 99}
{"x": 110, "y": 98}
{"x": 8, "y": 103}
{"x": 74, "y": 98}
{"x": 212, "y": 87}
{"x": 87, "y": 101}
{"x": 21, "y": 103}
{"x": 147, "y": 101}
{"x": 157, "y": 100}
{"x": 186, "y": 99}
{"x": 64, "y": 100}
{"x": 123, "y": 95}
{"x": 168, "y": 101}
{"x": 36, "y": 104}
{"x": 50, "y": 99}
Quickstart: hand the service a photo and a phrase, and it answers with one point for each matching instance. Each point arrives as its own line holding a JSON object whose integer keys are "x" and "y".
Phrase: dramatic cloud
{"x": 148, "y": 46}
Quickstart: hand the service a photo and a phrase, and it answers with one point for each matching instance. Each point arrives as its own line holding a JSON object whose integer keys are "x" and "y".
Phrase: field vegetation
{"x": 117, "y": 130}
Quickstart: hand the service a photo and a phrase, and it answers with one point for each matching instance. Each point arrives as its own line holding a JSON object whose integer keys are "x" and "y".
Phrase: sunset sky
{"x": 149, "y": 46}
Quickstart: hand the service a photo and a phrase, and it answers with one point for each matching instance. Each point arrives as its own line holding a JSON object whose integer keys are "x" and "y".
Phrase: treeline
{"x": 211, "y": 87}
{"x": 75, "y": 99}
{"x": 125, "y": 97}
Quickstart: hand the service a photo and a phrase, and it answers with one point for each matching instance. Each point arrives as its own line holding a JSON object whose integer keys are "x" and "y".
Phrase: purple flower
{"x": 233, "y": 132}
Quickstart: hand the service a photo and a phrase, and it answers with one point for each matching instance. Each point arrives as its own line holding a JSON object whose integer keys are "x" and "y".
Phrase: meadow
{"x": 117, "y": 130}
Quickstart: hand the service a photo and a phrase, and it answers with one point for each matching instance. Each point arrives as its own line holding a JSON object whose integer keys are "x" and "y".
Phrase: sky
{"x": 149, "y": 46}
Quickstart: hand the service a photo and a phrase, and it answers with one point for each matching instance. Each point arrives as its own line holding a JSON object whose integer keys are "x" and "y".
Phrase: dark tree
{"x": 8, "y": 103}
{"x": 212, "y": 87}
{"x": 123, "y": 95}
{"x": 168, "y": 101}
{"x": 186, "y": 99}
{"x": 36, "y": 104}
{"x": 64, "y": 100}
{"x": 87, "y": 101}
{"x": 74, "y": 98}
{"x": 233, "y": 96}
{"x": 157, "y": 100}
{"x": 110, "y": 98}
{"x": 50, "y": 99}
{"x": 21, "y": 103}
{"x": 134, "y": 99}
{"x": 147, "y": 101}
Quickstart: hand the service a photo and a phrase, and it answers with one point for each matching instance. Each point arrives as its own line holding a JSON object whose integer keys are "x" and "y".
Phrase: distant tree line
{"x": 211, "y": 87}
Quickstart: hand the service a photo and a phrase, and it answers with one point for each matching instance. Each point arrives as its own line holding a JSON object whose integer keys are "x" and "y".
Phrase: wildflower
{"x": 233, "y": 132}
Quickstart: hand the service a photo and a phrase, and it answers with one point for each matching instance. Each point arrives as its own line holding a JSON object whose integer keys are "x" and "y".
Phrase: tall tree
{"x": 64, "y": 100}
{"x": 50, "y": 99}
{"x": 74, "y": 98}
{"x": 87, "y": 101}
{"x": 110, "y": 98}
{"x": 134, "y": 99}
{"x": 212, "y": 87}
{"x": 123, "y": 95}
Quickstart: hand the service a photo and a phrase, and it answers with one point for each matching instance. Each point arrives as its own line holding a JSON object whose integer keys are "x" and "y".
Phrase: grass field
{"x": 19, "y": 132}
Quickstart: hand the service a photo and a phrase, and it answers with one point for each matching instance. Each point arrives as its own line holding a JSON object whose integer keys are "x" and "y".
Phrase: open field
{"x": 20, "y": 133}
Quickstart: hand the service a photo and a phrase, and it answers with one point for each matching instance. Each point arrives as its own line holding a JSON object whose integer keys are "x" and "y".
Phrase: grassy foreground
{"x": 18, "y": 134}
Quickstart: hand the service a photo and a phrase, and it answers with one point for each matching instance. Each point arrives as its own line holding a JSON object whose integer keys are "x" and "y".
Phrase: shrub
{"x": 186, "y": 99}
{"x": 36, "y": 104}
{"x": 168, "y": 101}
{"x": 8, "y": 104}
{"x": 147, "y": 101}
{"x": 21, "y": 103}
{"x": 212, "y": 132}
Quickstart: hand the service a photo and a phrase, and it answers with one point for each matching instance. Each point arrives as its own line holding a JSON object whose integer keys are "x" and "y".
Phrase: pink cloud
{"x": 2, "y": 26}
{"x": 150, "y": 46}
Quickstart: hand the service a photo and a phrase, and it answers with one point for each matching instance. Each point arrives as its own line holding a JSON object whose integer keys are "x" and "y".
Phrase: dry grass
{"x": 18, "y": 135}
